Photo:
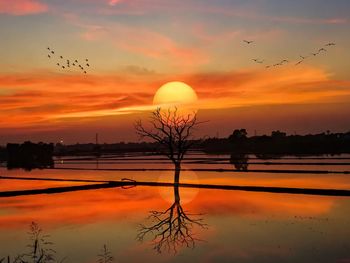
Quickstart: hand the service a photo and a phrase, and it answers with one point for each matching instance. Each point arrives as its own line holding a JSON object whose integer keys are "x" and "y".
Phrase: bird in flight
{"x": 314, "y": 54}
{"x": 278, "y": 64}
{"x": 299, "y": 62}
{"x": 322, "y": 49}
{"x": 329, "y": 44}
{"x": 302, "y": 57}
{"x": 258, "y": 61}
{"x": 65, "y": 63}
{"x": 248, "y": 42}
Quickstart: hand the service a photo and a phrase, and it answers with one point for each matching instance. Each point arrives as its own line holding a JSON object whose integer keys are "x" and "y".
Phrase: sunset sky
{"x": 135, "y": 46}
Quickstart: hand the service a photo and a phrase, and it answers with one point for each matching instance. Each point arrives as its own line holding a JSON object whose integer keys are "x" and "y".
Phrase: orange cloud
{"x": 22, "y": 7}
{"x": 31, "y": 99}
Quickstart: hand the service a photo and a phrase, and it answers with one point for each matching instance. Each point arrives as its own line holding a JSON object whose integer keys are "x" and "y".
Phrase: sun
{"x": 176, "y": 94}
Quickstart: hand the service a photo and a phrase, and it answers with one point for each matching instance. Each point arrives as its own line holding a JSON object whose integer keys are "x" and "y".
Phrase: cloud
{"x": 22, "y": 7}
{"x": 145, "y": 42}
{"x": 48, "y": 98}
{"x": 254, "y": 13}
{"x": 300, "y": 20}
{"x": 114, "y": 2}
{"x": 37, "y": 99}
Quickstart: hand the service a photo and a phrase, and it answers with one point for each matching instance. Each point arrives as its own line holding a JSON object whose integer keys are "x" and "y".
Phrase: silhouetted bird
{"x": 302, "y": 57}
{"x": 248, "y": 42}
{"x": 322, "y": 49}
{"x": 73, "y": 64}
{"x": 330, "y": 44}
{"x": 284, "y": 61}
{"x": 86, "y": 60}
{"x": 48, "y": 48}
{"x": 258, "y": 61}
{"x": 87, "y": 64}
{"x": 85, "y": 72}
{"x": 63, "y": 67}
{"x": 268, "y": 66}
{"x": 58, "y": 64}
{"x": 53, "y": 52}
{"x": 61, "y": 56}
{"x": 76, "y": 61}
{"x": 299, "y": 62}
{"x": 314, "y": 54}
{"x": 48, "y": 56}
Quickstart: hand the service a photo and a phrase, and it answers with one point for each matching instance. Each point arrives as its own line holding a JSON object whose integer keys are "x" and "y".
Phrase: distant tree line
{"x": 280, "y": 143}
{"x": 96, "y": 150}
{"x": 29, "y": 155}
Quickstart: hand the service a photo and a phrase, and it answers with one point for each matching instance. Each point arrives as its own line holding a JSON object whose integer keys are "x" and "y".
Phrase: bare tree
{"x": 173, "y": 228}
{"x": 173, "y": 131}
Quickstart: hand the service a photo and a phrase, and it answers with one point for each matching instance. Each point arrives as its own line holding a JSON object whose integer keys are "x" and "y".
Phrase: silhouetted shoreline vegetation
{"x": 279, "y": 143}
{"x": 264, "y": 146}
{"x": 30, "y": 155}
{"x": 41, "y": 250}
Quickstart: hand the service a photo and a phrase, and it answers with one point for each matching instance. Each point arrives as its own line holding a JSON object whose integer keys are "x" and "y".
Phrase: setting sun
{"x": 176, "y": 94}
{"x": 174, "y": 131}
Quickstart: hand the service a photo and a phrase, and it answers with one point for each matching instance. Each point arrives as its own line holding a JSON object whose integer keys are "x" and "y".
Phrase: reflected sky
{"x": 240, "y": 226}
{"x": 248, "y": 227}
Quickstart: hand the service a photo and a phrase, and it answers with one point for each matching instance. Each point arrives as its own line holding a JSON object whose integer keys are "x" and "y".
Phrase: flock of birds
{"x": 65, "y": 63}
{"x": 286, "y": 61}
{"x": 83, "y": 65}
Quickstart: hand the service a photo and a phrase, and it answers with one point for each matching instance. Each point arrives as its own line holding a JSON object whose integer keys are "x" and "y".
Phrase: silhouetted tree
{"x": 173, "y": 131}
{"x": 173, "y": 228}
{"x": 30, "y": 155}
{"x": 238, "y": 135}
{"x": 238, "y": 140}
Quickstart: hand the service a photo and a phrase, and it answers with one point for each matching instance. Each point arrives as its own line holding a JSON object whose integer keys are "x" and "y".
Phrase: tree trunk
{"x": 176, "y": 195}
{"x": 177, "y": 173}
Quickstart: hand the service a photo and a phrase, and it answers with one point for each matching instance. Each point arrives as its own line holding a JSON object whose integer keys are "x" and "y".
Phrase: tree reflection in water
{"x": 173, "y": 228}
{"x": 239, "y": 161}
